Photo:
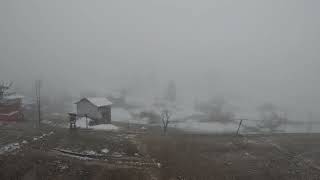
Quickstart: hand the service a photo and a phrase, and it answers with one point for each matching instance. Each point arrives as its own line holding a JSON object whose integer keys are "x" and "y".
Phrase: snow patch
{"x": 105, "y": 150}
{"x": 90, "y": 152}
{"x": 9, "y": 148}
{"x": 116, "y": 154}
{"x": 82, "y": 123}
{"x": 78, "y": 157}
{"x": 99, "y": 101}
{"x": 108, "y": 127}
{"x": 209, "y": 127}
{"x": 42, "y": 136}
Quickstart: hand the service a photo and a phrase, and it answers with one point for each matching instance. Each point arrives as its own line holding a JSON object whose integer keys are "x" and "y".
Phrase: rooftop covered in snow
{"x": 97, "y": 101}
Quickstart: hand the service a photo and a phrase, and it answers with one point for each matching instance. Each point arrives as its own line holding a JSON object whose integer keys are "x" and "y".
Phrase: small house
{"x": 97, "y": 109}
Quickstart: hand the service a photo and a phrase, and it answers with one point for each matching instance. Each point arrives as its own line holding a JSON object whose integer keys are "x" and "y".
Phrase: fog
{"x": 248, "y": 51}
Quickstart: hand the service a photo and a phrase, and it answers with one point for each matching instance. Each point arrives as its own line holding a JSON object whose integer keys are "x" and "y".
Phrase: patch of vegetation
{"x": 216, "y": 110}
{"x": 271, "y": 117}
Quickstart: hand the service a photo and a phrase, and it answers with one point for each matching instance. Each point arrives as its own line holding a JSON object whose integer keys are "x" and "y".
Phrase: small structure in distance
{"x": 96, "y": 108}
{"x": 10, "y": 104}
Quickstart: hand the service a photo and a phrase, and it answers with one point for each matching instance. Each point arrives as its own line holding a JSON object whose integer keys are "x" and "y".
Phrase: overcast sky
{"x": 254, "y": 49}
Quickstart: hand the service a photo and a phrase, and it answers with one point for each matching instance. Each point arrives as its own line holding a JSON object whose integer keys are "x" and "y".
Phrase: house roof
{"x": 97, "y": 101}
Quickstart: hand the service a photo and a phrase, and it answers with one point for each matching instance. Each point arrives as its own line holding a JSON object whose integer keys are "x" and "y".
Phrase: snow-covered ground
{"x": 107, "y": 127}
{"x": 84, "y": 123}
{"x": 207, "y": 127}
{"x": 105, "y": 150}
{"x": 15, "y": 146}
{"x": 89, "y": 152}
{"x": 9, "y": 148}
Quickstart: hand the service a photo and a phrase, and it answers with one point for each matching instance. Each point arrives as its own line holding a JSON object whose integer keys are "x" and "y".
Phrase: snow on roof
{"x": 98, "y": 101}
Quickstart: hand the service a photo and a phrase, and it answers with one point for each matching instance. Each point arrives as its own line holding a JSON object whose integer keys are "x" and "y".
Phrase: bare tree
{"x": 165, "y": 118}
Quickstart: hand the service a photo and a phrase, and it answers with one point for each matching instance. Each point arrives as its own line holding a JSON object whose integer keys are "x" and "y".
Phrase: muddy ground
{"x": 135, "y": 154}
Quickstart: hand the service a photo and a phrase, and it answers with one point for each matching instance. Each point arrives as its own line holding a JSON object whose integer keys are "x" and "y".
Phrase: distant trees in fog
{"x": 171, "y": 92}
{"x": 216, "y": 110}
{"x": 152, "y": 116}
{"x": 270, "y": 116}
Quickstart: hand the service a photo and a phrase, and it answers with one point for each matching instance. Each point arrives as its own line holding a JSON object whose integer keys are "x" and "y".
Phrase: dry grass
{"x": 223, "y": 157}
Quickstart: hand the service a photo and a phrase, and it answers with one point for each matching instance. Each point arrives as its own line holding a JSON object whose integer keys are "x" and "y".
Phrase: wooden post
{"x": 72, "y": 120}
{"x": 240, "y": 123}
{"x": 86, "y": 121}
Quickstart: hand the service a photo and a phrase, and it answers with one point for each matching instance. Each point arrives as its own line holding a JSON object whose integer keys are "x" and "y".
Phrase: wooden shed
{"x": 96, "y": 108}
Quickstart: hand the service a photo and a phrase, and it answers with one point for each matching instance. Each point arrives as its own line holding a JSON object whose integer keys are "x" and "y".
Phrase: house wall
{"x": 13, "y": 116}
{"x": 85, "y": 107}
{"x": 107, "y": 114}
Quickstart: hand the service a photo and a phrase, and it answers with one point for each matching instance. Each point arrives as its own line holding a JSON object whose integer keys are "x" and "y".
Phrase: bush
{"x": 152, "y": 116}
{"x": 215, "y": 110}
{"x": 270, "y": 116}
{"x": 219, "y": 115}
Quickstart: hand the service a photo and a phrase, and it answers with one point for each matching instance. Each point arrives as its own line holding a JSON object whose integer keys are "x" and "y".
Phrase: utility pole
{"x": 38, "y": 85}
{"x": 240, "y": 123}
{"x": 86, "y": 120}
